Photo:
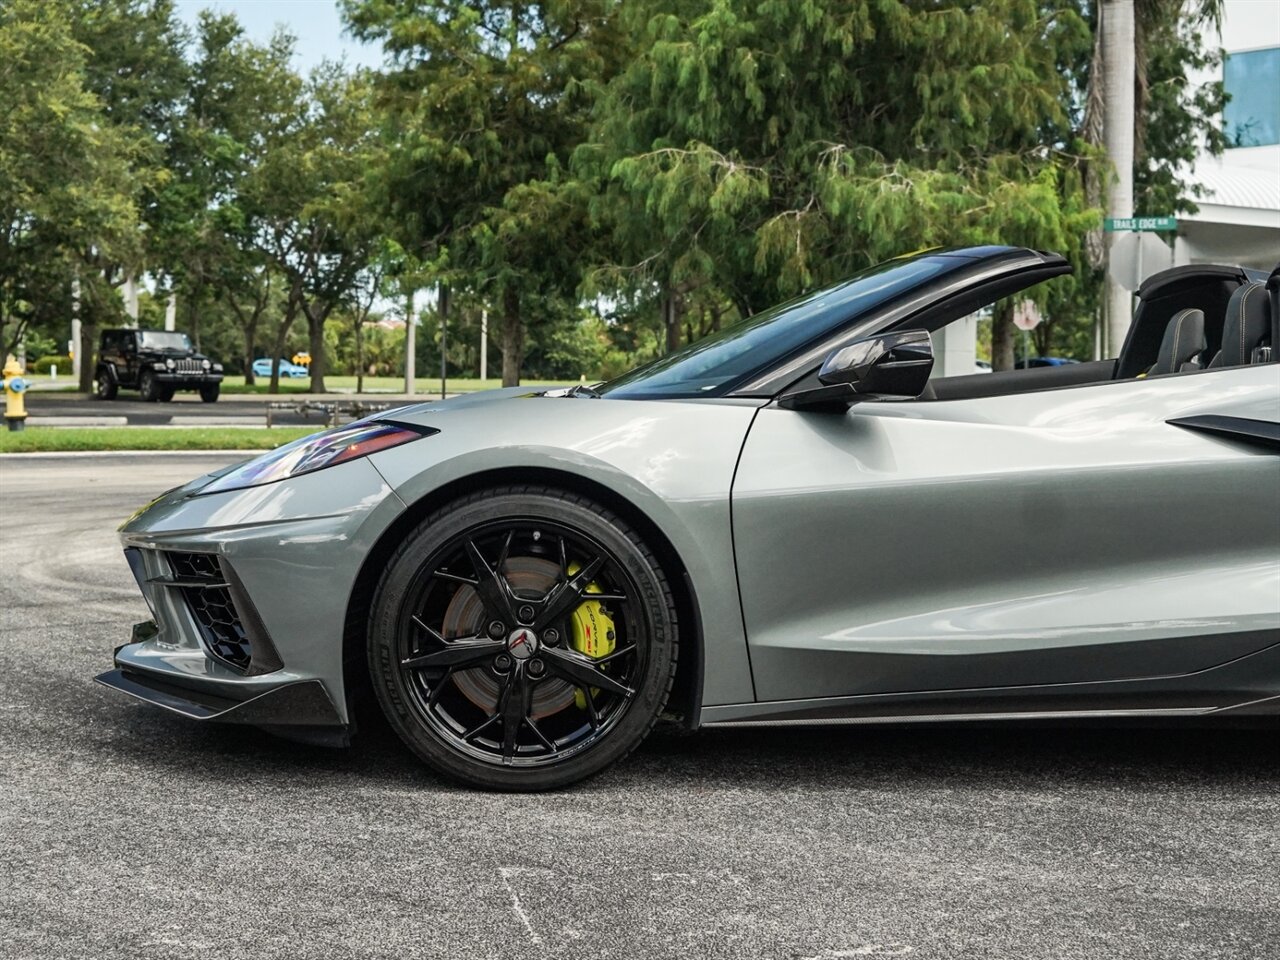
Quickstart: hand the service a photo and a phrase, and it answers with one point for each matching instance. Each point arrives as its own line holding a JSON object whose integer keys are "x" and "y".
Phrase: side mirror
{"x": 891, "y": 366}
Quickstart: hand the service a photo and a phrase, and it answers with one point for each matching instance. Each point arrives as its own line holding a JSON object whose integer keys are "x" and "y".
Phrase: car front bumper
{"x": 181, "y": 377}
{"x": 249, "y": 591}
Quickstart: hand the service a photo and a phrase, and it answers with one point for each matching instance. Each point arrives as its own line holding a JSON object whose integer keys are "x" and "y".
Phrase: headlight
{"x": 158, "y": 365}
{"x": 318, "y": 451}
{"x": 169, "y": 364}
{"x": 206, "y": 364}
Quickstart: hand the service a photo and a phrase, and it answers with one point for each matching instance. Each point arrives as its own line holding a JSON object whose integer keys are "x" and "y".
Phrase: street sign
{"x": 1125, "y": 224}
{"x": 1026, "y": 315}
{"x": 1135, "y": 256}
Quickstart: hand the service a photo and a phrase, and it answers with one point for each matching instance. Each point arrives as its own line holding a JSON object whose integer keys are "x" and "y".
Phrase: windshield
{"x": 715, "y": 364}
{"x": 164, "y": 340}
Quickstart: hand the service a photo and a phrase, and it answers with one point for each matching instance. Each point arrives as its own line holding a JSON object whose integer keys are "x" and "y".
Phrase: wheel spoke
{"x": 620, "y": 652}
{"x": 581, "y": 670}
{"x": 446, "y": 575}
{"x": 437, "y": 688}
{"x": 493, "y": 589}
{"x": 481, "y": 727}
{"x": 455, "y": 653}
{"x": 537, "y": 732}
{"x": 593, "y": 715}
{"x": 513, "y": 704}
{"x": 428, "y": 630}
{"x": 567, "y": 595}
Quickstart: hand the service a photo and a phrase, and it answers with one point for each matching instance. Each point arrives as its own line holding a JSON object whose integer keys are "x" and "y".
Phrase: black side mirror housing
{"x": 889, "y": 366}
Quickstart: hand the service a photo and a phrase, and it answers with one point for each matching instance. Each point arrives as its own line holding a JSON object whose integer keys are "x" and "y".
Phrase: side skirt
{"x": 1248, "y": 686}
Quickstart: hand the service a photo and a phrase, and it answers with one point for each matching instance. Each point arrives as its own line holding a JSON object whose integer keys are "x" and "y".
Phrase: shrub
{"x": 44, "y": 363}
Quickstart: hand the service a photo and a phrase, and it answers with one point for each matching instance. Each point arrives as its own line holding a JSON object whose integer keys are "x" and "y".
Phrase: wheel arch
{"x": 686, "y": 694}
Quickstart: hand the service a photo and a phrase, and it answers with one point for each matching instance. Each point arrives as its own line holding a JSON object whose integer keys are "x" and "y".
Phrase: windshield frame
{"x": 145, "y": 341}
{"x": 817, "y": 316}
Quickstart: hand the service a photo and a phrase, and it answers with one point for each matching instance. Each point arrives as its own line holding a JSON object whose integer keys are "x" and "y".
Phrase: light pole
{"x": 1119, "y": 66}
{"x": 410, "y": 345}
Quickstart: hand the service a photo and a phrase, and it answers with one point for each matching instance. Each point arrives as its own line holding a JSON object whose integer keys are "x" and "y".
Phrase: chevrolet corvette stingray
{"x": 794, "y": 519}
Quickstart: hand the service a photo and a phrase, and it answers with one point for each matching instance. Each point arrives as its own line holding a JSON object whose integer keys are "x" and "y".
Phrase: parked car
{"x": 1030, "y": 363}
{"x": 156, "y": 363}
{"x": 788, "y": 520}
{"x": 262, "y": 368}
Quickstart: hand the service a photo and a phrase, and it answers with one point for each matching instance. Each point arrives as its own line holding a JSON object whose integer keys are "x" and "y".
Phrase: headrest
{"x": 1248, "y": 323}
{"x": 1183, "y": 342}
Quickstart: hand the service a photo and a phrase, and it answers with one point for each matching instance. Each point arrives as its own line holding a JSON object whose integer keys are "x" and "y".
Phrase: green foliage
{"x": 602, "y": 180}
{"x": 67, "y": 178}
{"x": 69, "y": 439}
{"x": 46, "y": 363}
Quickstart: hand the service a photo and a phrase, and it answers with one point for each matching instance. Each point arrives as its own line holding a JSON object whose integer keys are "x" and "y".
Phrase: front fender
{"x": 672, "y": 461}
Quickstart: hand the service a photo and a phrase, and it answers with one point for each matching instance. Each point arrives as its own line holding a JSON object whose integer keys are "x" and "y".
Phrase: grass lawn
{"x": 376, "y": 384}
{"x": 64, "y": 439}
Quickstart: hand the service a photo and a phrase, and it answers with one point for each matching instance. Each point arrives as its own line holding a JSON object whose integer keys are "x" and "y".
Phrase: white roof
{"x": 1238, "y": 187}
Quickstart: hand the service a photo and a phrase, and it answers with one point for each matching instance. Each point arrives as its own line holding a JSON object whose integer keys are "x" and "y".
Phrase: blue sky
{"x": 315, "y": 23}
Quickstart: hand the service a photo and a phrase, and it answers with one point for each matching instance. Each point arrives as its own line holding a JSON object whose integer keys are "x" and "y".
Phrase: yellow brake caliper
{"x": 593, "y": 630}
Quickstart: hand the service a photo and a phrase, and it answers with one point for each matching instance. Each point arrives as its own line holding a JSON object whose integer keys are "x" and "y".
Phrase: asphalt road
{"x": 188, "y": 410}
{"x": 127, "y": 833}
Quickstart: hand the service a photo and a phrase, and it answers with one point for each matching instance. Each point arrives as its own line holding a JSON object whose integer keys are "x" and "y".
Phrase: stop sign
{"x": 1026, "y": 315}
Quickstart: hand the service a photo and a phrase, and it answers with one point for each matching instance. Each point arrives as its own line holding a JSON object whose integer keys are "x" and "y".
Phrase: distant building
{"x": 1239, "y": 216}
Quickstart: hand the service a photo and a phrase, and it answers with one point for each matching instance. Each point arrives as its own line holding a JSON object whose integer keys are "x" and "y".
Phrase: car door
{"x": 1062, "y": 536}
{"x": 129, "y": 351}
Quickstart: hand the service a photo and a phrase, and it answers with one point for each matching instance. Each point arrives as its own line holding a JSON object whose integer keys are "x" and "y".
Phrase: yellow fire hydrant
{"x": 15, "y": 385}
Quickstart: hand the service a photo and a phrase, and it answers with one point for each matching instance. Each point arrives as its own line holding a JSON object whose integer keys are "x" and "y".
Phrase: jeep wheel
{"x": 209, "y": 392}
{"x": 104, "y": 387}
{"x": 165, "y": 393}
{"x": 147, "y": 387}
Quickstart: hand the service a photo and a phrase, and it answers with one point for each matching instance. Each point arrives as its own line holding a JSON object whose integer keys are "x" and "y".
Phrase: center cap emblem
{"x": 522, "y": 643}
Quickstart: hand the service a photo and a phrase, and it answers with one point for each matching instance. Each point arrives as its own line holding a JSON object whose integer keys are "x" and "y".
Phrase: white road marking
{"x": 506, "y": 873}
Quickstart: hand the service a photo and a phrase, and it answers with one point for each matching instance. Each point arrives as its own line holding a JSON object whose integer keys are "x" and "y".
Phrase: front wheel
{"x": 522, "y": 639}
{"x": 209, "y": 392}
{"x": 147, "y": 387}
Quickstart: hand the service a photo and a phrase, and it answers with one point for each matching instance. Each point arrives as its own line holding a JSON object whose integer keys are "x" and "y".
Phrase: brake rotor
{"x": 530, "y": 578}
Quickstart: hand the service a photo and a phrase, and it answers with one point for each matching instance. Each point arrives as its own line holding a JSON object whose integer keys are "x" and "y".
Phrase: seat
{"x": 1182, "y": 345}
{"x": 1247, "y": 325}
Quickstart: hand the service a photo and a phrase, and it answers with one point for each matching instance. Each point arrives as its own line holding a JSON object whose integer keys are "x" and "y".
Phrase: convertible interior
{"x": 1188, "y": 318}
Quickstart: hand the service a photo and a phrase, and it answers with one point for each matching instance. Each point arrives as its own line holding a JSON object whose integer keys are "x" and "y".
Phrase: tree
{"x": 240, "y": 97}
{"x": 137, "y": 71}
{"x": 769, "y": 150}
{"x": 302, "y": 203}
{"x": 66, "y": 184}
{"x": 485, "y": 102}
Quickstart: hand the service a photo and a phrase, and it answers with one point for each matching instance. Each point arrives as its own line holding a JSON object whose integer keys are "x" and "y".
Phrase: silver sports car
{"x": 791, "y": 520}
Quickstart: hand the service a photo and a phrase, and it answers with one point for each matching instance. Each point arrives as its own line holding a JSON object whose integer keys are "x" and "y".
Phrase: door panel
{"x": 1062, "y": 536}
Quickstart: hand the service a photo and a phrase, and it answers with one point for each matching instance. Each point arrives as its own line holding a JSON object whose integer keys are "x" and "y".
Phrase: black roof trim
{"x": 1166, "y": 281}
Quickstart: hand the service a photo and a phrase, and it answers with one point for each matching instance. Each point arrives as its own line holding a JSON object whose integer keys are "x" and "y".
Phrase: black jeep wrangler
{"x": 156, "y": 363}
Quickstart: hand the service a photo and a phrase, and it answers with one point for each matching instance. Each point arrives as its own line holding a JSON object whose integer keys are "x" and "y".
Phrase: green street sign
{"x": 1125, "y": 224}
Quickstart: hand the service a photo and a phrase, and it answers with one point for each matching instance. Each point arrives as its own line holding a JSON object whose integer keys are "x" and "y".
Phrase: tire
{"x": 104, "y": 387}
{"x": 147, "y": 387}
{"x": 209, "y": 392}
{"x": 165, "y": 393}
{"x": 605, "y": 703}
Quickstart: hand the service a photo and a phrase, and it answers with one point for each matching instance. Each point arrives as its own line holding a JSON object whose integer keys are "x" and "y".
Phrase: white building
{"x": 1239, "y": 217}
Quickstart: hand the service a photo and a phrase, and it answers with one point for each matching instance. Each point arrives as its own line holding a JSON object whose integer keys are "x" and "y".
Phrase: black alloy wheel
{"x": 481, "y": 642}
{"x": 147, "y": 386}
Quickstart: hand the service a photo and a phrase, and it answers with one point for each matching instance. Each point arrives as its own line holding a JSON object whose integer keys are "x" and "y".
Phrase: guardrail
{"x": 335, "y": 413}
